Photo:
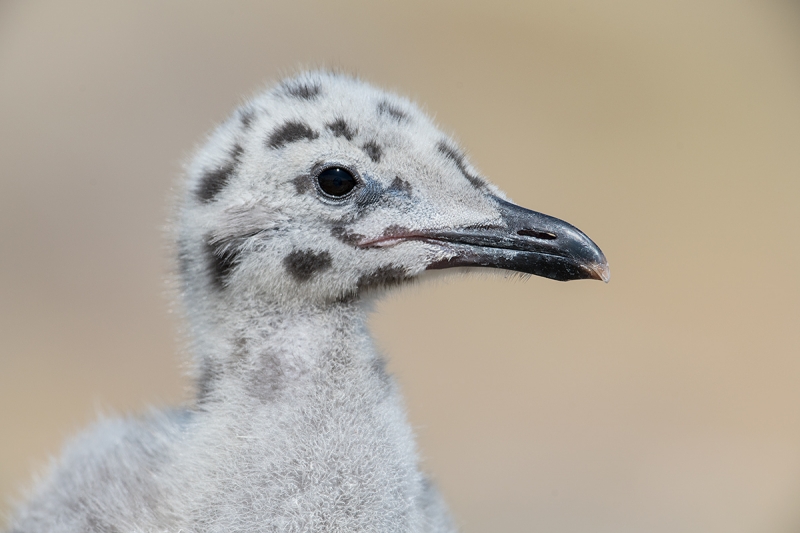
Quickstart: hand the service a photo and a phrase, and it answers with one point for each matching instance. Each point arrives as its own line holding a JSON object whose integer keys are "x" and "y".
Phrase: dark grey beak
{"x": 528, "y": 242}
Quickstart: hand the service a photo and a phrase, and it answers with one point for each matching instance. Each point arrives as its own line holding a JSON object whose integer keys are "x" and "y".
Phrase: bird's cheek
{"x": 416, "y": 255}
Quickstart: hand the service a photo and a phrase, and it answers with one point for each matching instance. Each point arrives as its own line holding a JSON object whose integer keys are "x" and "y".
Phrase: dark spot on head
{"x": 291, "y": 132}
{"x": 395, "y": 230}
{"x": 222, "y": 260}
{"x": 214, "y": 181}
{"x": 304, "y": 91}
{"x": 236, "y": 152}
{"x": 458, "y": 158}
{"x": 339, "y": 128}
{"x": 400, "y": 185}
{"x": 374, "y": 151}
{"x": 302, "y": 184}
{"x": 303, "y": 264}
{"x": 246, "y": 116}
{"x": 385, "y": 276}
{"x": 385, "y": 108}
{"x": 346, "y": 236}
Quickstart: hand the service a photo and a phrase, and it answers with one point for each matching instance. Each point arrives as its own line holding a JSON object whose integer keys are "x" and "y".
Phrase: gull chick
{"x": 309, "y": 201}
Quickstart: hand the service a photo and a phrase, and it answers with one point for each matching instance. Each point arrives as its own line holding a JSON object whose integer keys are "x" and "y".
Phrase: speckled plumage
{"x": 296, "y": 425}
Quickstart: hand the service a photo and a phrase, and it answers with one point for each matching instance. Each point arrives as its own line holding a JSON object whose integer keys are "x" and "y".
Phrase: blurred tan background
{"x": 665, "y": 401}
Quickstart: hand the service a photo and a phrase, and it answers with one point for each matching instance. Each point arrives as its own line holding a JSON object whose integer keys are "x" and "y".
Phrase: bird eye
{"x": 336, "y": 181}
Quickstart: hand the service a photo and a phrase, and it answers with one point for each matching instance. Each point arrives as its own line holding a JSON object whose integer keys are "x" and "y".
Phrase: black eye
{"x": 336, "y": 181}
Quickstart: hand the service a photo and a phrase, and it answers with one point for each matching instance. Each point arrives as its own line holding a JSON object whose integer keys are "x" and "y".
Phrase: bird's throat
{"x": 269, "y": 355}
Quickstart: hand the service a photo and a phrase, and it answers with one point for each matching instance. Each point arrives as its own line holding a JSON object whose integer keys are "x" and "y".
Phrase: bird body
{"x": 301, "y": 208}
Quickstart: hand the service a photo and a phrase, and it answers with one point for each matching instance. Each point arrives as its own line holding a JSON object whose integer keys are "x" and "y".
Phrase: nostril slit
{"x": 544, "y": 235}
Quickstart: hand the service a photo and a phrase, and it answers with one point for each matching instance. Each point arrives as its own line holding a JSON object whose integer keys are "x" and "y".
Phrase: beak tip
{"x": 601, "y": 271}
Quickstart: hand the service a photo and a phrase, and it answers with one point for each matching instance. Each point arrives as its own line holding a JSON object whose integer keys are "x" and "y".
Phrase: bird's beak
{"x": 525, "y": 241}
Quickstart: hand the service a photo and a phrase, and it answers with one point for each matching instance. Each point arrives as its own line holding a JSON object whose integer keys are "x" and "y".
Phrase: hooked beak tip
{"x": 600, "y": 271}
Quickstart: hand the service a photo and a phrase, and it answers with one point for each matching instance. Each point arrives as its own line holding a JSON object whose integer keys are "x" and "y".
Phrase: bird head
{"x": 325, "y": 187}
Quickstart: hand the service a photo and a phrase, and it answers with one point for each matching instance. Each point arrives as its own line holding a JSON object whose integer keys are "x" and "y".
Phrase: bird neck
{"x": 302, "y": 406}
{"x": 265, "y": 353}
